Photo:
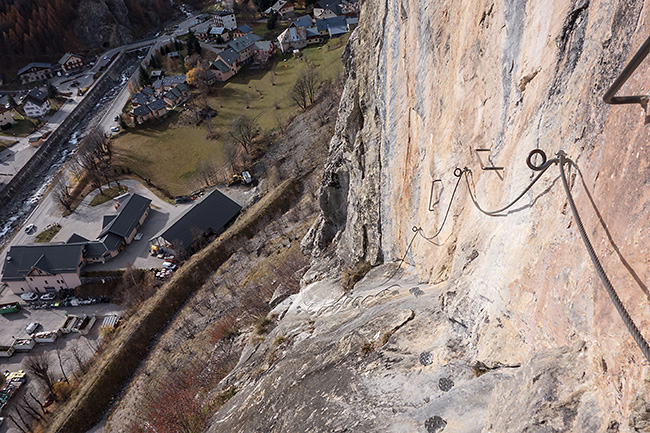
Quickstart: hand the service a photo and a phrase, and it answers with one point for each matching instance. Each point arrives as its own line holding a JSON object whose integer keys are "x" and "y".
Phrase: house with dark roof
{"x": 141, "y": 114}
{"x": 332, "y": 27}
{"x": 119, "y": 229}
{"x": 35, "y": 71}
{"x": 158, "y": 108}
{"x": 280, "y": 7}
{"x": 176, "y": 95}
{"x": 241, "y": 31}
{"x": 43, "y": 268}
{"x": 333, "y": 8}
{"x": 71, "y": 62}
{"x": 36, "y": 104}
{"x": 303, "y": 21}
{"x": 313, "y": 36}
{"x": 169, "y": 83}
{"x": 219, "y": 32}
{"x": 192, "y": 228}
{"x": 262, "y": 51}
{"x": 244, "y": 46}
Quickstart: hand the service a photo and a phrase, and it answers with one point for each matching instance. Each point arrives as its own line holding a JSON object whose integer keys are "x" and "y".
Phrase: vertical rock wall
{"x": 427, "y": 84}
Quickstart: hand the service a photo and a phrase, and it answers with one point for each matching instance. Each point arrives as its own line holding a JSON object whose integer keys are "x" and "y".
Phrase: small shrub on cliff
{"x": 352, "y": 276}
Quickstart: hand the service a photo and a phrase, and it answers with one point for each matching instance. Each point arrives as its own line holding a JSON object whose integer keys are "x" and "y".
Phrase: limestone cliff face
{"x": 430, "y": 82}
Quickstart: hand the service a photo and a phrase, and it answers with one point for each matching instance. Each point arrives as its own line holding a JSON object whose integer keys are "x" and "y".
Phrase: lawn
{"x": 168, "y": 154}
{"x": 22, "y": 128}
{"x": 48, "y": 234}
{"x": 108, "y": 194}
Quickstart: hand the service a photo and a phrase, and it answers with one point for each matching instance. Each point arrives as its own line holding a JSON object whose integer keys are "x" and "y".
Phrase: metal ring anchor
{"x": 536, "y": 167}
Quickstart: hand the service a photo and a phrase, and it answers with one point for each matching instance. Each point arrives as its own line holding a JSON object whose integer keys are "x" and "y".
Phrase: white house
{"x": 43, "y": 268}
{"x": 36, "y": 104}
{"x": 5, "y": 117}
{"x": 225, "y": 19}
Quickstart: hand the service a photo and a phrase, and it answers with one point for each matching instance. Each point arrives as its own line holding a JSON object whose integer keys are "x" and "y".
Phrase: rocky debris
{"x": 416, "y": 291}
{"x": 435, "y": 424}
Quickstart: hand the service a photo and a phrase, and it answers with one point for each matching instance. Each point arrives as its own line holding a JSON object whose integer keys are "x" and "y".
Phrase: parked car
{"x": 115, "y": 129}
{"x": 116, "y": 118}
{"x": 29, "y": 228}
{"x": 29, "y": 296}
{"x": 169, "y": 266}
{"x": 48, "y": 296}
{"x": 32, "y": 327}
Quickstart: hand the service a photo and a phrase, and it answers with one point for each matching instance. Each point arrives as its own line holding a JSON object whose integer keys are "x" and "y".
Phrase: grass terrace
{"x": 167, "y": 151}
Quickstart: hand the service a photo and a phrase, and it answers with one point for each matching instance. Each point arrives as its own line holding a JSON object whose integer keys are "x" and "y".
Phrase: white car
{"x": 32, "y": 327}
{"x": 48, "y": 296}
{"x": 115, "y": 129}
{"x": 29, "y": 296}
{"x": 29, "y": 228}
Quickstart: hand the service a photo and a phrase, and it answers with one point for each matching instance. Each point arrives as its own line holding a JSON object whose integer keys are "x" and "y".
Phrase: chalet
{"x": 176, "y": 95}
{"x": 36, "y": 104}
{"x": 6, "y": 119}
{"x": 225, "y": 19}
{"x": 292, "y": 38}
{"x": 210, "y": 77}
{"x": 221, "y": 70}
{"x": 158, "y": 108}
{"x": 201, "y": 19}
{"x": 219, "y": 32}
{"x": 336, "y": 8}
{"x": 120, "y": 228}
{"x": 209, "y": 217}
{"x": 156, "y": 74}
{"x": 332, "y": 27}
{"x": 141, "y": 114}
{"x": 303, "y": 21}
{"x": 262, "y": 51}
{"x": 280, "y": 7}
{"x": 43, "y": 268}
{"x": 203, "y": 32}
{"x": 244, "y": 46}
{"x": 169, "y": 83}
{"x": 35, "y": 72}
{"x": 148, "y": 91}
{"x": 241, "y": 31}
{"x": 336, "y": 26}
{"x": 173, "y": 55}
{"x": 139, "y": 99}
{"x": 71, "y": 62}
{"x": 313, "y": 36}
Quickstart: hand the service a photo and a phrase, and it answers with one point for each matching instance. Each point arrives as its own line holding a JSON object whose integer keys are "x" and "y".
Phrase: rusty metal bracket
{"x": 609, "y": 96}
{"x": 431, "y": 203}
{"x": 483, "y": 166}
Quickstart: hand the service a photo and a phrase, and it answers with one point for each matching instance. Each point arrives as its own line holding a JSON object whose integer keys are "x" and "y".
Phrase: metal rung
{"x": 492, "y": 168}
{"x": 610, "y": 96}
{"x": 483, "y": 150}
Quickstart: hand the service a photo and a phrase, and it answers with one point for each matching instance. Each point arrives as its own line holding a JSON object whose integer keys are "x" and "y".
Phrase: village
{"x": 220, "y": 86}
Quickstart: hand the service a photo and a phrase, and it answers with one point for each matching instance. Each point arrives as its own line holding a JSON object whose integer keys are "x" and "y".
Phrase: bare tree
{"x": 229, "y": 152}
{"x": 62, "y": 193}
{"x": 248, "y": 98}
{"x": 58, "y": 355}
{"x": 303, "y": 92}
{"x": 77, "y": 354}
{"x": 39, "y": 366}
{"x": 243, "y": 130}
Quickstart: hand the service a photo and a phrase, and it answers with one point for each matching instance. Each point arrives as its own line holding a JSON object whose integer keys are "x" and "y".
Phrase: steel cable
{"x": 459, "y": 174}
{"x": 636, "y": 334}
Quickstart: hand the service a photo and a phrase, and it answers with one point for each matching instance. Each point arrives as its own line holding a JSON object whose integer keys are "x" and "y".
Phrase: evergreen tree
{"x": 271, "y": 21}
{"x": 52, "y": 91}
{"x": 144, "y": 77}
{"x": 11, "y": 101}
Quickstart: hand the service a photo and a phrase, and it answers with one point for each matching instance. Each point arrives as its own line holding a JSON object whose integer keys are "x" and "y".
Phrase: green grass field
{"x": 22, "y": 128}
{"x": 168, "y": 155}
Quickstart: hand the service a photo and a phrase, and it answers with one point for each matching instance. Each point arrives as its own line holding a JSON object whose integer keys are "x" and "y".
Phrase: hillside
{"x": 499, "y": 323}
{"x": 44, "y": 30}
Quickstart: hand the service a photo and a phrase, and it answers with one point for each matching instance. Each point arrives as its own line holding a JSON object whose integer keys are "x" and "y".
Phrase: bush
{"x": 352, "y": 276}
{"x": 63, "y": 390}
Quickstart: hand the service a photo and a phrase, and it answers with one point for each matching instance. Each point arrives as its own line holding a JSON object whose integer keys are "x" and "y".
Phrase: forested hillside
{"x": 45, "y": 29}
